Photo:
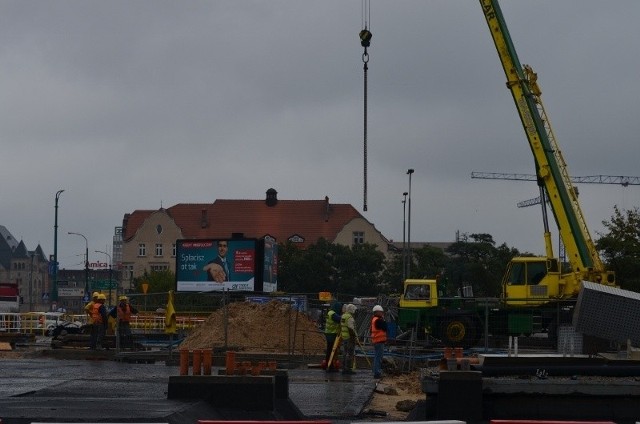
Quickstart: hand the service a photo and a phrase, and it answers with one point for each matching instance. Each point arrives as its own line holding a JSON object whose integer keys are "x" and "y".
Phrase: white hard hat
{"x": 378, "y": 308}
{"x": 351, "y": 308}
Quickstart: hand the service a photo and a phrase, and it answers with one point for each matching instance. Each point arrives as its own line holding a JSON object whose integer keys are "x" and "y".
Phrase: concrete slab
{"x": 49, "y": 390}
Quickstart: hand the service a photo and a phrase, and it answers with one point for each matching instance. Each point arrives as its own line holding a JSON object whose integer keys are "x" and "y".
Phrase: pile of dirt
{"x": 272, "y": 327}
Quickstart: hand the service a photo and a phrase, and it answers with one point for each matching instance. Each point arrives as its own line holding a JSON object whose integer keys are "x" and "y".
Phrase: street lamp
{"x": 31, "y": 284}
{"x": 409, "y": 254}
{"x": 404, "y": 242}
{"x": 54, "y": 289}
{"x": 86, "y": 262}
{"x": 109, "y": 256}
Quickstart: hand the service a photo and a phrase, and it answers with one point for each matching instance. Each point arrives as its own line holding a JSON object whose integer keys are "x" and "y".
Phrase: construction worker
{"x": 123, "y": 312}
{"x": 331, "y": 331}
{"x": 89, "y": 306}
{"x": 378, "y": 339}
{"x": 99, "y": 318}
{"x": 348, "y": 335}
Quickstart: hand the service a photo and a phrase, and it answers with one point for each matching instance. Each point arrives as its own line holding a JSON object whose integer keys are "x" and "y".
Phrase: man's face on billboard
{"x": 222, "y": 248}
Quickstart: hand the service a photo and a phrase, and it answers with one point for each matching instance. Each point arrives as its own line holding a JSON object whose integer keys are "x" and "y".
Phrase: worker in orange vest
{"x": 89, "y": 306}
{"x": 378, "y": 339}
{"x": 123, "y": 312}
{"x": 99, "y": 318}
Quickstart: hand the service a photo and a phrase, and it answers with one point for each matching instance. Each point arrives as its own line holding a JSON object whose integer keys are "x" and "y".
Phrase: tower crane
{"x": 622, "y": 180}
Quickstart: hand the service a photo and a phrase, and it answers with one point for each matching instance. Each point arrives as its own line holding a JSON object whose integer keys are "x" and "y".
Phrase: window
{"x": 536, "y": 272}
{"x": 418, "y": 291}
{"x": 142, "y": 249}
{"x": 358, "y": 237}
{"x": 173, "y": 250}
{"x": 158, "y": 268}
{"x": 517, "y": 274}
{"x": 158, "y": 249}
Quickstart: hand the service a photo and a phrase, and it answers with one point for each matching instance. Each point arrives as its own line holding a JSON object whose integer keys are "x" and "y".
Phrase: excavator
{"x": 532, "y": 287}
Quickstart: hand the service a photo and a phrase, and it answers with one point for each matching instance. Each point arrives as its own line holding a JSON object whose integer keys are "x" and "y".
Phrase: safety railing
{"x": 38, "y": 323}
{"x": 155, "y": 323}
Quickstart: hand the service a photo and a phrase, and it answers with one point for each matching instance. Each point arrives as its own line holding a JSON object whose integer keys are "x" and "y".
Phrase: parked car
{"x": 46, "y": 322}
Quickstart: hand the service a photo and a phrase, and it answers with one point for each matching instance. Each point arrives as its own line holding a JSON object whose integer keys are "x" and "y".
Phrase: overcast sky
{"x": 136, "y": 104}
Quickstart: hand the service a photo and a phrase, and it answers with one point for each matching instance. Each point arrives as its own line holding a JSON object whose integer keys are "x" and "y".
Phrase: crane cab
{"x": 531, "y": 280}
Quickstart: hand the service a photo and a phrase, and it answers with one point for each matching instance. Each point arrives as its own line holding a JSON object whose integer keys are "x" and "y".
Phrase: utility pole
{"x": 31, "y": 284}
{"x": 404, "y": 241}
{"x": 108, "y": 256}
{"x": 86, "y": 262}
{"x": 54, "y": 288}
{"x": 409, "y": 253}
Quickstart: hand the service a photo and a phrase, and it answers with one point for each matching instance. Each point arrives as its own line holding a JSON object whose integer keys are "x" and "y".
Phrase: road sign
{"x": 104, "y": 285}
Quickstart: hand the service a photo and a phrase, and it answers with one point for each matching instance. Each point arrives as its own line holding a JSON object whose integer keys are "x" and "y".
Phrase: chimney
{"x": 272, "y": 197}
{"x": 326, "y": 208}
{"x": 125, "y": 221}
{"x": 204, "y": 221}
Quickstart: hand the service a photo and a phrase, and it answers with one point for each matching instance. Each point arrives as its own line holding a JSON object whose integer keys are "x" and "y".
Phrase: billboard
{"x": 226, "y": 264}
{"x": 270, "y": 265}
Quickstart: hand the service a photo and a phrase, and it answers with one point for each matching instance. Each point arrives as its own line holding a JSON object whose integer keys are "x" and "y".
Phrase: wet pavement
{"x": 51, "y": 390}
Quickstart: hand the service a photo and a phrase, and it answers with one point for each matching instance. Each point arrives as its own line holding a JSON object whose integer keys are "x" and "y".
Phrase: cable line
{"x": 365, "y": 41}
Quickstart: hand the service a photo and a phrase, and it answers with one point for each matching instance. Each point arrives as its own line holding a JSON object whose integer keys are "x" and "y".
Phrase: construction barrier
{"x": 154, "y": 323}
{"x": 37, "y": 323}
{"x": 202, "y": 360}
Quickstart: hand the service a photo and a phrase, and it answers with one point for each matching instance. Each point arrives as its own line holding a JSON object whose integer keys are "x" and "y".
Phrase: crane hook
{"x": 365, "y": 38}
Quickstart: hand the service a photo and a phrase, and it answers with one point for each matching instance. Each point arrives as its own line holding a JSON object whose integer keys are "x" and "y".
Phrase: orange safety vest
{"x": 88, "y": 308}
{"x": 96, "y": 317}
{"x": 124, "y": 314}
{"x": 377, "y": 335}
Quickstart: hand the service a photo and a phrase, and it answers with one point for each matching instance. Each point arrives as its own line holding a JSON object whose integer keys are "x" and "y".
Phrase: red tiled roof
{"x": 310, "y": 219}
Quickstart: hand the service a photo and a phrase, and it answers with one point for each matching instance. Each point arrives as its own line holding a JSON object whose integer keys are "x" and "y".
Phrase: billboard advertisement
{"x": 216, "y": 265}
{"x": 270, "y": 265}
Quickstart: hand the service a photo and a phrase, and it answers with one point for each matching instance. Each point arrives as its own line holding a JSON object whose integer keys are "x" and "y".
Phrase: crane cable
{"x": 365, "y": 41}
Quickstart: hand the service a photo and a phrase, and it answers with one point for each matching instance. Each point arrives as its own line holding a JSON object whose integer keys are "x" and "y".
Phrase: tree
{"x": 620, "y": 247}
{"x": 325, "y": 266}
{"x": 477, "y": 263}
{"x": 428, "y": 262}
{"x": 159, "y": 281}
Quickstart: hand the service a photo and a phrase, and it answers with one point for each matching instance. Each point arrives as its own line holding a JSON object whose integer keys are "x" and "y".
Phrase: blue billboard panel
{"x": 270, "y": 269}
{"x": 216, "y": 265}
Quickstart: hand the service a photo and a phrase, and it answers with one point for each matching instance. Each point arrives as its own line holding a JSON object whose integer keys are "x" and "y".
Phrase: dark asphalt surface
{"x": 54, "y": 390}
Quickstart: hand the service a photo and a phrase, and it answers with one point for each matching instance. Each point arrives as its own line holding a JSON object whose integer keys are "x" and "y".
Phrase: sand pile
{"x": 271, "y": 327}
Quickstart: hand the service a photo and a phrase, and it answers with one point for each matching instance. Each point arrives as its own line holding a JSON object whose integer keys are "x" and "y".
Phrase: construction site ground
{"x": 38, "y": 383}
{"x": 54, "y": 390}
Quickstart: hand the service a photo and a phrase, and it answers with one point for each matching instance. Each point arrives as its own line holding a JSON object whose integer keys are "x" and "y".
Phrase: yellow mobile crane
{"x": 537, "y": 292}
{"x": 537, "y": 280}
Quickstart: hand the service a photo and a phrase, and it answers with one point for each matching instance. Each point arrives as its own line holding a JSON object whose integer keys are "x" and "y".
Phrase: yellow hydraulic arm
{"x": 550, "y": 166}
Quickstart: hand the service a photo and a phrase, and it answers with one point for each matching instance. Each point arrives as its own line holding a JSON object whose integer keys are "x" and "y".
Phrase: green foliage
{"x": 159, "y": 281}
{"x": 475, "y": 261}
{"x": 362, "y": 270}
{"x": 620, "y": 247}
{"x": 325, "y": 266}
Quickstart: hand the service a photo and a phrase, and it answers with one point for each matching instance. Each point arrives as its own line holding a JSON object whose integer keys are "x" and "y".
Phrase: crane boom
{"x": 551, "y": 168}
{"x": 622, "y": 180}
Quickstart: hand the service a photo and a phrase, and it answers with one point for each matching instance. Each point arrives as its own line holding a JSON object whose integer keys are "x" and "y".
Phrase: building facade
{"x": 149, "y": 236}
{"x": 29, "y": 269}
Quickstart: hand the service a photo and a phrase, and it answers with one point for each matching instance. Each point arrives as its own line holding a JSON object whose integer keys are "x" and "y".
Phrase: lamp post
{"x": 108, "y": 256}
{"x": 86, "y": 262}
{"x": 54, "y": 288}
{"x": 404, "y": 241}
{"x": 409, "y": 254}
{"x": 31, "y": 284}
